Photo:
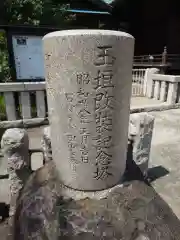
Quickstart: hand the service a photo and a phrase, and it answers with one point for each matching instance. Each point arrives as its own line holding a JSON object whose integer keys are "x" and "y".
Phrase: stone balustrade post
{"x": 15, "y": 148}
{"x": 172, "y": 92}
{"x": 88, "y": 80}
{"x": 148, "y": 81}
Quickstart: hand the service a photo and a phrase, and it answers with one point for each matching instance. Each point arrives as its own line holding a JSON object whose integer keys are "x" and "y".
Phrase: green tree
{"x": 4, "y": 67}
{"x": 30, "y": 12}
{"x": 36, "y": 12}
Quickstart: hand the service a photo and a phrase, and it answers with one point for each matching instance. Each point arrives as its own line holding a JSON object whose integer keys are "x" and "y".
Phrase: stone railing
{"x": 27, "y": 100}
{"x": 162, "y": 87}
{"x": 166, "y": 87}
{"x": 23, "y": 100}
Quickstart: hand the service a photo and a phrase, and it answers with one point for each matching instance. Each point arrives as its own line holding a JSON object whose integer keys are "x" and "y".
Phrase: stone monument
{"x": 90, "y": 112}
{"x": 88, "y": 76}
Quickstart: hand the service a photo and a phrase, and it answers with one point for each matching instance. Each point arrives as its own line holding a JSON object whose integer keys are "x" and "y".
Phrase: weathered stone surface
{"x": 88, "y": 76}
{"x": 11, "y": 124}
{"x": 132, "y": 131}
{"x": 141, "y": 127}
{"x": 3, "y": 170}
{"x": 46, "y": 144}
{"x": 34, "y": 122}
{"x": 130, "y": 211}
{"x": 155, "y": 108}
{"x": 15, "y": 147}
{"x": 24, "y": 123}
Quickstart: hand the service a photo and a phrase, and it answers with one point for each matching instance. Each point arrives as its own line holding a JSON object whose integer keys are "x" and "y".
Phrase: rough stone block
{"x": 15, "y": 148}
{"x": 130, "y": 211}
{"x": 140, "y": 131}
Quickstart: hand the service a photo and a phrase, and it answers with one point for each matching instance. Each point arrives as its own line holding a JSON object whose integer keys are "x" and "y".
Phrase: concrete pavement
{"x": 143, "y": 101}
{"x": 165, "y": 157}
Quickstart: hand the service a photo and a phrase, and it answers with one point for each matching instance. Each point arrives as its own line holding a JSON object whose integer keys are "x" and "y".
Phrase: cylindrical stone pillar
{"x": 88, "y": 77}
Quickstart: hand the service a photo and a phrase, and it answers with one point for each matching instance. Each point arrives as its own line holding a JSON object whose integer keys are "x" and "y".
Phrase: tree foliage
{"x": 36, "y": 12}
{"x": 30, "y": 12}
{"x": 52, "y": 13}
{"x": 4, "y": 67}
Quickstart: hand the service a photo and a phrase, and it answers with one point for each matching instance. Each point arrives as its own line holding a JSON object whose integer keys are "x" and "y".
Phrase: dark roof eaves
{"x": 103, "y": 5}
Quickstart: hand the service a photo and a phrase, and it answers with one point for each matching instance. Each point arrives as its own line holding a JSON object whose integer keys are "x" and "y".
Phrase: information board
{"x": 28, "y": 56}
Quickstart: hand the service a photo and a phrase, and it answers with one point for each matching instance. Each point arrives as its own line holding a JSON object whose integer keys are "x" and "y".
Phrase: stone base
{"x": 130, "y": 211}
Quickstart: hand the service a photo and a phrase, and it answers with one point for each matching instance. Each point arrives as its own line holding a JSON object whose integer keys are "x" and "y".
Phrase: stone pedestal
{"x": 130, "y": 211}
{"x": 88, "y": 76}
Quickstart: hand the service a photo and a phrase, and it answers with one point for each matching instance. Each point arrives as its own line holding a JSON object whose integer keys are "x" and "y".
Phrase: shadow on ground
{"x": 4, "y": 211}
{"x": 133, "y": 172}
{"x": 4, "y": 176}
{"x": 157, "y": 172}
